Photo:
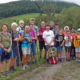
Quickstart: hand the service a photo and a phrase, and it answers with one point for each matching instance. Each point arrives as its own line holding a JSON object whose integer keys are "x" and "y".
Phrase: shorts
{"x": 42, "y": 45}
{"x": 47, "y": 47}
{"x": 15, "y": 52}
{"x": 33, "y": 47}
{"x": 59, "y": 48}
{"x": 68, "y": 49}
{"x": 5, "y": 56}
{"x": 26, "y": 50}
{"x": 77, "y": 49}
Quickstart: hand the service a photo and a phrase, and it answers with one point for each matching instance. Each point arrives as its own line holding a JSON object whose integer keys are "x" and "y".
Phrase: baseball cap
{"x": 32, "y": 19}
{"x": 78, "y": 29}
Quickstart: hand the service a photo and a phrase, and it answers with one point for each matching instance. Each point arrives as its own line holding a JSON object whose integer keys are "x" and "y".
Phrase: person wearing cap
{"x": 77, "y": 45}
{"x": 26, "y": 44}
{"x": 51, "y": 25}
{"x": 32, "y": 21}
{"x": 56, "y": 31}
{"x": 41, "y": 40}
{"x": 20, "y": 29}
{"x": 72, "y": 54}
{"x": 15, "y": 39}
{"x": 48, "y": 37}
{"x": 66, "y": 28}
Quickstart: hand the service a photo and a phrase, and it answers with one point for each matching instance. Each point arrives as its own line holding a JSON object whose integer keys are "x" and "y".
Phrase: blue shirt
{"x": 25, "y": 43}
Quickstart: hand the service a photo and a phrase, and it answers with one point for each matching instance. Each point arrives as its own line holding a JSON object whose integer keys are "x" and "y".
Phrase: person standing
{"x": 15, "y": 39}
{"x": 51, "y": 25}
{"x": 60, "y": 42}
{"x": 6, "y": 44}
{"x": 41, "y": 40}
{"x": 48, "y": 37}
{"x": 66, "y": 28}
{"x": 20, "y": 29}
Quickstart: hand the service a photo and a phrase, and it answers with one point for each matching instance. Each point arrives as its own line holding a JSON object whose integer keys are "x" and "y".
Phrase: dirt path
{"x": 44, "y": 75}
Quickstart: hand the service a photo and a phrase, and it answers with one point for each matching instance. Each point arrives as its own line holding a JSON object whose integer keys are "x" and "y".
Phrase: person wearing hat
{"x": 77, "y": 45}
{"x": 48, "y": 37}
{"x": 15, "y": 39}
{"x": 66, "y": 28}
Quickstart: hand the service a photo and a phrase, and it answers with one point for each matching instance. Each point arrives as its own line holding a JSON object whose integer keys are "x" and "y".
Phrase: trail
{"x": 44, "y": 75}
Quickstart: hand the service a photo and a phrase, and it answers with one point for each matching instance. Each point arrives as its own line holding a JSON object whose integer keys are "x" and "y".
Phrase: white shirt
{"x": 67, "y": 44}
{"x": 48, "y": 35}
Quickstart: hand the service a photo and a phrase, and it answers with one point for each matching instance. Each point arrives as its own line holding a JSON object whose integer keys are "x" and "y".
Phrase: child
{"x": 77, "y": 45}
{"x": 60, "y": 42}
{"x": 68, "y": 41}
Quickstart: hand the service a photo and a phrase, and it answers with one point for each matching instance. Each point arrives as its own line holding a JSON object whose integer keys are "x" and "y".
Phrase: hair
{"x": 66, "y": 27}
{"x": 14, "y": 23}
{"x": 47, "y": 25}
{"x": 21, "y": 21}
{"x": 51, "y": 22}
{"x": 72, "y": 28}
{"x": 30, "y": 24}
{"x": 68, "y": 31}
{"x": 56, "y": 23}
{"x": 27, "y": 26}
{"x": 61, "y": 29}
{"x": 42, "y": 21}
{"x": 5, "y": 24}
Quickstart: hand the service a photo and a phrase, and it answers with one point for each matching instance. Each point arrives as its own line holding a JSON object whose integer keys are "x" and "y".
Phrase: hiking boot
{"x": 69, "y": 59}
{"x": 66, "y": 59}
{"x": 60, "y": 60}
{"x": 14, "y": 69}
{"x": 77, "y": 60}
{"x": 34, "y": 62}
{"x": 29, "y": 63}
{"x": 23, "y": 68}
{"x": 44, "y": 57}
{"x": 47, "y": 63}
{"x": 7, "y": 74}
{"x": 26, "y": 66}
{"x": 2, "y": 75}
{"x": 40, "y": 58}
{"x": 74, "y": 58}
{"x": 11, "y": 70}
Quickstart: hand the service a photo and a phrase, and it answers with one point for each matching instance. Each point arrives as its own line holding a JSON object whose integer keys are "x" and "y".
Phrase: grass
{"x": 19, "y": 69}
{"x": 69, "y": 72}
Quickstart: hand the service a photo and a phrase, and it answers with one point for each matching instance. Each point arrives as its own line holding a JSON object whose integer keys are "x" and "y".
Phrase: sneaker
{"x": 23, "y": 68}
{"x": 40, "y": 58}
{"x": 14, "y": 69}
{"x": 11, "y": 70}
{"x": 77, "y": 60}
{"x": 34, "y": 62}
{"x": 29, "y": 63}
{"x": 60, "y": 60}
{"x": 69, "y": 59}
{"x": 7, "y": 74}
{"x": 47, "y": 63}
{"x": 66, "y": 59}
{"x": 26, "y": 66}
{"x": 2, "y": 75}
{"x": 74, "y": 58}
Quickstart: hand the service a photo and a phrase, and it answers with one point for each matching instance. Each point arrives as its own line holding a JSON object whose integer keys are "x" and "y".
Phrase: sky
{"x": 75, "y": 1}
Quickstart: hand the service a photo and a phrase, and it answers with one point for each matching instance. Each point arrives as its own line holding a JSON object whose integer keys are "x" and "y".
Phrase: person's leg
{"x": 1, "y": 67}
{"x": 45, "y": 51}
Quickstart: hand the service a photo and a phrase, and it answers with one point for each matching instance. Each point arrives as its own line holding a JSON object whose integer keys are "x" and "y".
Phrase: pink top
{"x": 73, "y": 35}
{"x": 65, "y": 34}
{"x": 32, "y": 34}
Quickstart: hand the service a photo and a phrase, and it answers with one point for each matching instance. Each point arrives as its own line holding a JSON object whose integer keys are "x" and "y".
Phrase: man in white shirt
{"x": 48, "y": 37}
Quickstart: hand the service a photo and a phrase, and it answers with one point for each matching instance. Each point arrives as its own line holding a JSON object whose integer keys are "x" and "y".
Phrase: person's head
{"x": 5, "y": 27}
{"x": 32, "y": 21}
{"x": 56, "y": 25}
{"x": 68, "y": 33}
{"x": 66, "y": 28}
{"x": 51, "y": 24}
{"x": 42, "y": 24}
{"x": 47, "y": 27}
{"x": 31, "y": 26}
{"x": 61, "y": 31}
{"x": 78, "y": 31}
{"x": 27, "y": 28}
{"x": 72, "y": 29}
{"x": 21, "y": 23}
{"x": 14, "y": 25}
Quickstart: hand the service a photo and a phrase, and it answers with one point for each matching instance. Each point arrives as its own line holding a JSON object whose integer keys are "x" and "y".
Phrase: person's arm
{"x": 40, "y": 33}
{"x": 35, "y": 37}
{"x": 22, "y": 37}
{"x": 52, "y": 40}
{"x": 46, "y": 41}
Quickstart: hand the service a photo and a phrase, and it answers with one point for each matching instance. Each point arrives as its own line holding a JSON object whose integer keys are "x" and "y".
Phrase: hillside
{"x": 24, "y": 7}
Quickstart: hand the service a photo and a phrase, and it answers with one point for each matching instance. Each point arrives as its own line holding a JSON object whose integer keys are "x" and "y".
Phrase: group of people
{"x": 20, "y": 41}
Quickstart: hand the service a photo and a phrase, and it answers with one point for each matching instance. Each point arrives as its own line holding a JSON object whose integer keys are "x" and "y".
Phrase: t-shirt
{"x": 32, "y": 33}
{"x": 61, "y": 38}
{"x": 67, "y": 44}
{"x": 65, "y": 34}
{"x": 5, "y": 40}
{"x": 14, "y": 35}
{"x": 73, "y": 35}
{"x": 48, "y": 35}
{"x": 51, "y": 28}
{"x": 41, "y": 30}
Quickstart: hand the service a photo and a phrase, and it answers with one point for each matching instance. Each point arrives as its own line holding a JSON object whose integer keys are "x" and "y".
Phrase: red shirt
{"x": 41, "y": 30}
